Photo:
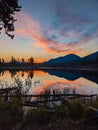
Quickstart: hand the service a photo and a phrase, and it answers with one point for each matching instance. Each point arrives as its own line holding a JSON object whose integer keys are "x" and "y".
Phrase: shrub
{"x": 86, "y": 113}
{"x": 75, "y": 110}
{"x": 60, "y": 112}
{"x": 95, "y": 103}
{"x": 37, "y": 116}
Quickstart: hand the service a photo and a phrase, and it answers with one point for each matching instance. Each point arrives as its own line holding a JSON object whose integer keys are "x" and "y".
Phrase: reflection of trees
{"x": 31, "y": 74}
{"x": 22, "y": 75}
{"x": 1, "y": 72}
{"x": 14, "y": 72}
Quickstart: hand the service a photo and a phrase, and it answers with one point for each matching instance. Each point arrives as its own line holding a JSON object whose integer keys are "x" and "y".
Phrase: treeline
{"x": 17, "y": 62}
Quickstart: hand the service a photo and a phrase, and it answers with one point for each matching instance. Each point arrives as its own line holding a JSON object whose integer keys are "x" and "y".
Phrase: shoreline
{"x": 48, "y": 68}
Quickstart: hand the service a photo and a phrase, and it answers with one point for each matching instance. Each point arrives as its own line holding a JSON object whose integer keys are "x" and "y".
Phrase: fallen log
{"x": 52, "y": 95}
{"x": 7, "y": 89}
{"x": 94, "y": 111}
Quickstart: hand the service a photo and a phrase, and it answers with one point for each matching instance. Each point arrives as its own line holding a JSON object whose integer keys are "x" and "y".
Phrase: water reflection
{"x": 13, "y": 73}
{"x": 73, "y": 75}
{"x": 54, "y": 80}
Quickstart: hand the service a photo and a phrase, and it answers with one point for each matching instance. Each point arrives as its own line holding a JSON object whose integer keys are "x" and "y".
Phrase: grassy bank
{"x": 69, "y": 115}
{"x": 77, "y": 117}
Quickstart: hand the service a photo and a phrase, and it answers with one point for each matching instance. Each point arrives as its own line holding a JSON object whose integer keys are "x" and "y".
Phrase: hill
{"x": 73, "y": 60}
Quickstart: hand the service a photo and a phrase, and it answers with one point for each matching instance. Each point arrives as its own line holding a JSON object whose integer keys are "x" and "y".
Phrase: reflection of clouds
{"x": 54, "y": 85}
{"x": 50, "y": 82}
{"x": 81, "y": 86}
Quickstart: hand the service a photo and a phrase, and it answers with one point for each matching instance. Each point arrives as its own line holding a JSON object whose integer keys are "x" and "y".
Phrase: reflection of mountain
{"x": 74, "y": 67}
{"x": 64, "y": 74}
{"x": 73, "y": 60}
{"x": 73, "y": 75}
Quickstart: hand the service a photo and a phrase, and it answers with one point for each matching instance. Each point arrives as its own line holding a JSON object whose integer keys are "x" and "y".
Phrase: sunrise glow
{"x": 46, "y": 30}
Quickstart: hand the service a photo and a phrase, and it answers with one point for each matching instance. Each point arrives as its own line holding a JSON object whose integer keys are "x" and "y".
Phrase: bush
{"x": 60, "y": 112}
{"x": 86, "y": 113}
{"x": 38, "y": 116}
{"x": 75, "y": 110}
{"x": 95, "y": 104}
{"x": 11, "y": 112}
{"x": 10, "y": 115}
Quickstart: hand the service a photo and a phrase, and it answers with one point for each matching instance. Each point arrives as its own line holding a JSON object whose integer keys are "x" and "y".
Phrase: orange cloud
{"x": 29, "y": 28}
{"x": 40, "y": 60}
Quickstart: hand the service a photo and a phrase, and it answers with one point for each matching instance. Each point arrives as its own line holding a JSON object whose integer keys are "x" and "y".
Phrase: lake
{"x": 58, "y": 80}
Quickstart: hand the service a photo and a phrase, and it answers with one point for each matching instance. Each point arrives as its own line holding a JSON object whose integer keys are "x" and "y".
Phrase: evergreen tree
{"x": 7, "y": 12}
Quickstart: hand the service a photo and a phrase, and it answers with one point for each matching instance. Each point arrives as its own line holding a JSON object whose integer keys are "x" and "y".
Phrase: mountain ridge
{"x": 72, "y": 60}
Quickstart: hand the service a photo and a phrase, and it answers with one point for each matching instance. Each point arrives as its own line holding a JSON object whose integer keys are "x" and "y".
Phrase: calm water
{"x": 58, "y": 80}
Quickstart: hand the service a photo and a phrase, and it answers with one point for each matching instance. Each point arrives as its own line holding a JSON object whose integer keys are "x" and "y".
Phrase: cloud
{"x": 65, "y": 38}
{"x": 26, "y": 26}
{"x": 29, "y": 28}
{"x": 76, "y": 23}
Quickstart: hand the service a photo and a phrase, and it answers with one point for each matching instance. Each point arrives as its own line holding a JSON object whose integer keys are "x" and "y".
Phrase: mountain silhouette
{"x": 72, "y": 60}
{"x": 66, "y": 58}
{"x": 92, "y": 58}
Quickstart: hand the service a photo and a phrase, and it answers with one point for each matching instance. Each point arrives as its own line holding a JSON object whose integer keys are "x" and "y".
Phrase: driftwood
{"x": 94, "y": 111}
{"x": 4, "y": 92}
{"x": 44, "y": 98}
{"x": 52, "y": 95}
{"x": 30, "y": 104}
{"x": 43, "y": 101}
{"x": 7, "y": 89}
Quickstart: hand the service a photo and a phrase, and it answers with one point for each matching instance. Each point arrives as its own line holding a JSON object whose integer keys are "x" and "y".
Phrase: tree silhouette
{"x": 7, "y": 10}
{"x": 31, "y": 60}
{"x": 22, "y": 60}
{"x": 3, "y": 61}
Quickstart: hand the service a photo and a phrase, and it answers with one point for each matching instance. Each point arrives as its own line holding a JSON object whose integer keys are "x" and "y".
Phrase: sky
{"x": 48, "y": 29}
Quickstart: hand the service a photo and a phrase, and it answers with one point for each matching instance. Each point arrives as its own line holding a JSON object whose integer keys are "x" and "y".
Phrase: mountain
{"x": 60, "y": 61}
{"x": 66, "y": 58}
{"x": 91, "y": 57}
{"x": 72, "y": 60}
